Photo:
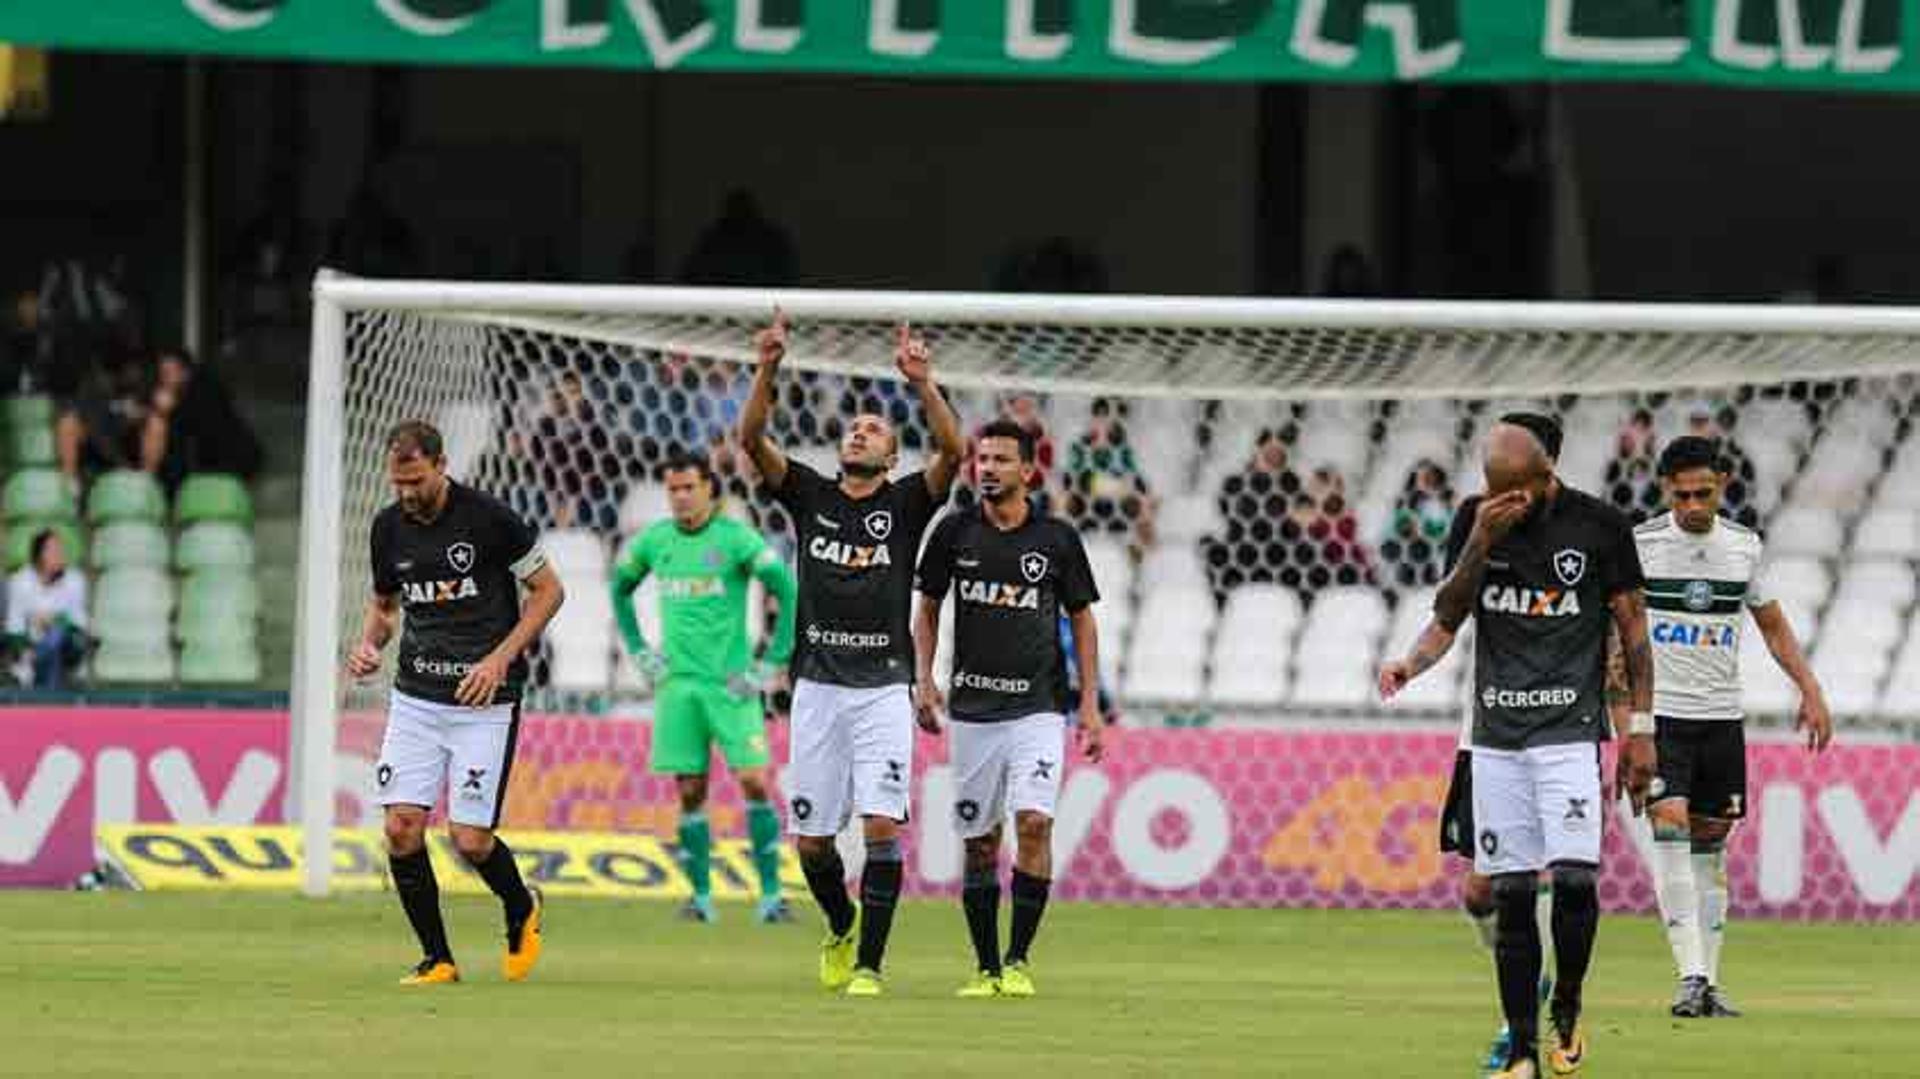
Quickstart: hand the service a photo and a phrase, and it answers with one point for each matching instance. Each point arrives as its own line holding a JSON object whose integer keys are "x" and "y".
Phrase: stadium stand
{"x": 1830, "y": 472}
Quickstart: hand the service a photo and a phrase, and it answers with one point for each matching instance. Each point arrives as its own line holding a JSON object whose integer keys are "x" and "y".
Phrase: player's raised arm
{"x": 915, "y": 361}
{"x": 1432, "y": 646}
{"x": 1813, "y": 720}
{"x": 770, "y": 345}
{"x": 1493, "y": 518}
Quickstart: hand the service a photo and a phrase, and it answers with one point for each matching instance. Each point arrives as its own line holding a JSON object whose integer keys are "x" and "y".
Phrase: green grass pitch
{"x": 219, "y": 985}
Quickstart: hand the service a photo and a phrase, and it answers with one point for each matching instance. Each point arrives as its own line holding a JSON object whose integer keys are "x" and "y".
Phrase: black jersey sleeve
{"x": 380, "y": 554}
{"x": 935, "y": 573}
{"x": 1077, "y": 587}
{"x": 798, "y": 490}
{"x": 1461, "y": 528}
{"x": 517, "y": 540}
{"x": 1623, "y": 556}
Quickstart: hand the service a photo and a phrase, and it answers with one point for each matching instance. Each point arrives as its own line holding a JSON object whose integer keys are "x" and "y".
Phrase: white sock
{"x": 1676, "y": 886}
{"x": 1710, "y": 869}
{"x": 1485, "y": 926}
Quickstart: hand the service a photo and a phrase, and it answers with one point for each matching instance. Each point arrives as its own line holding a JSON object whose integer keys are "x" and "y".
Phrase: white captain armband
{"x": 1641, "y": 723}
{"x": 529, "y": 563}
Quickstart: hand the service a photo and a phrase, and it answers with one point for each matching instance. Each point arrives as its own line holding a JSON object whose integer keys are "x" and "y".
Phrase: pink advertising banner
{"x": 65, "y": 770}
{"x": 1221, "y": 817}
{"x": 1292, "y": 818}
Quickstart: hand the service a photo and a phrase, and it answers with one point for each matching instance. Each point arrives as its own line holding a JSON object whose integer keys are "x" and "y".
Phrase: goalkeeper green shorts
{"x": 691, "y": 715}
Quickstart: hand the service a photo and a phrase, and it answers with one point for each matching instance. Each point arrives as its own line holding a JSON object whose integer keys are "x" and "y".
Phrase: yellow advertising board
{"x": 163, "y": 857}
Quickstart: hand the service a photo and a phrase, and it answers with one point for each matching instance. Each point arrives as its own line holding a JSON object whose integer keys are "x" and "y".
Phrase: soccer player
{"x": 455, "y": 560}
{"x": 852, "y": 735}
{"x": 1012, "y": 572}
{"x": 1702, "y": 571}
{"x": 1545, "y": 569}
{"x": 707, "y": 684}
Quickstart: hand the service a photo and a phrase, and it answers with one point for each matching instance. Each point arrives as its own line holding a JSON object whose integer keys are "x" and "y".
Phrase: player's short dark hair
{"x": 1544, "y": 427}
{"x": 410, "y": 436}
{"x": 1689, "y": 452}
{"x": 1006, "y": 428}
{"x": 682, "y": 461}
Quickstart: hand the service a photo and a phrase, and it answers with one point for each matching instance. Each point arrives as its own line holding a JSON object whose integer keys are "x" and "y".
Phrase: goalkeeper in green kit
{"x": 707, "y": 684}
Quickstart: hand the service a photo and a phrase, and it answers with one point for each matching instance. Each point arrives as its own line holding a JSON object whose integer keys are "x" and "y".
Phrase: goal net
{"x": 1263, "y": 485}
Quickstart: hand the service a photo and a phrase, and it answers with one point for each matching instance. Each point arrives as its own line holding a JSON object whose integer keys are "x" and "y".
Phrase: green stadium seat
{"x": 214, "y": 545}
{"x": 219, "y": 662}
{"x": 20, "y": 541}
{"x": 127, "y": 544}
{"x": 133, "y": 660}
{"x": 30, "y": 447}
{"x": 209, "y": 598}
{"x": 37, "y": 494}
{"x": 133, "y": 603}
{"x": 213, "y": 496}
{"x": 21, "y": 412}
{"x": 126, "y": 495}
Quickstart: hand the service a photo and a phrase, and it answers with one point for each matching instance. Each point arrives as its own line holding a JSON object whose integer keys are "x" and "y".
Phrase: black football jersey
{"x": 856, "y": 576}
{"x": 458, "y": 579}
{"x": 1543, "y": 610}
{"x": 1009, "y": 589}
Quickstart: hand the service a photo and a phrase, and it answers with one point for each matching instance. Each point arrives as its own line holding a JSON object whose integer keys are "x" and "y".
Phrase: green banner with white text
{"x": 1823, "y": 44}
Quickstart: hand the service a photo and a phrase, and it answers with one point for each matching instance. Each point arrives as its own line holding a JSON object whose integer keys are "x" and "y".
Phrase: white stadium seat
{"x": 1802, "y": 580}
{"x": 1862, "y": 626}
{"x": 1800, "y": 530}
{"x": 645, "y": 503}
{"x": 577, "y": 554}
{"x": 1889, "y": 581}
{"x": 1892, "y": 533}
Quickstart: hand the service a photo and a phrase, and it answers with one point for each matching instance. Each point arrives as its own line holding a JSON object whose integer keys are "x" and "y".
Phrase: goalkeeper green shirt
{"x": 703, "y": 578}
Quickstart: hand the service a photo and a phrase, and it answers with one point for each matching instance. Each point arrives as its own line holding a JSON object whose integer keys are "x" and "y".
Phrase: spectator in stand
{"x": 1331, "y": 533}
{"x": 1704, "y": 421}
{"x": 564, "y": 449}
{"x": 100, "y": 414}
{"x": 1632, "y": 484}
{"x": 1105, "y": 487}
{"x": 47, "y": 616}
{"x": 1255, "y": 503}
{"x": 190, "y": 424}
{"x": 1416, "y": 538}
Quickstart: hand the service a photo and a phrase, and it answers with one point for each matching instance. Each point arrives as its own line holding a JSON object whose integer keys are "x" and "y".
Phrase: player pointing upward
{"x": 852, "y": 738}
{"x": 455, "y": 560}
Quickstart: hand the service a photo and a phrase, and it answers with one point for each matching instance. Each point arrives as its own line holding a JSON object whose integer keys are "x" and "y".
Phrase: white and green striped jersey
{"x": 1699, "y": 588}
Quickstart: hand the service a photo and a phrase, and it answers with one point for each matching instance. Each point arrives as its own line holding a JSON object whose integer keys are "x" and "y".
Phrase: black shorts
{"x": 1705, "y": 762}
{"x": 1456, "y": 817}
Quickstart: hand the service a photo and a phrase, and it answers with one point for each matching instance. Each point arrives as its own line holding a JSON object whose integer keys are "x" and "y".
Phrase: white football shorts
{"x": 1535, "y": 807}
{"x": 432, "y": 748}
{"x": 1011, "y": 766}
{"x": 851, "y": 752}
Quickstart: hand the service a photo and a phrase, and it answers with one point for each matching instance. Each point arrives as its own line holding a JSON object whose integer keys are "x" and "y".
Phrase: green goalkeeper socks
{"x": 696, "y": 851}
{"x": 763, "y": 829}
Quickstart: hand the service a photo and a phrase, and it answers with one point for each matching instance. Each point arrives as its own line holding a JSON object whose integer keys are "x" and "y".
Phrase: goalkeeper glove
{"x": 754, "y": 680}
{"x": 652, "y": 665}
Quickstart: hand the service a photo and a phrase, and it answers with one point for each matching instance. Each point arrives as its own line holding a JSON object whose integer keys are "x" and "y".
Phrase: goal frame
{"x": 314, "y": 693}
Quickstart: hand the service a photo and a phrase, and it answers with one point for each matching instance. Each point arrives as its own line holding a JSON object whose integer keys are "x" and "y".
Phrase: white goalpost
{"x": 561, "y": 398}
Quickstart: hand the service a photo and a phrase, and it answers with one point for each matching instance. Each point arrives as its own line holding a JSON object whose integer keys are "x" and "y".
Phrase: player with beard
{"x": 1546, "y": 570}
{"x": 1012, "y": 572}
{"x": 852, "y": 717}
